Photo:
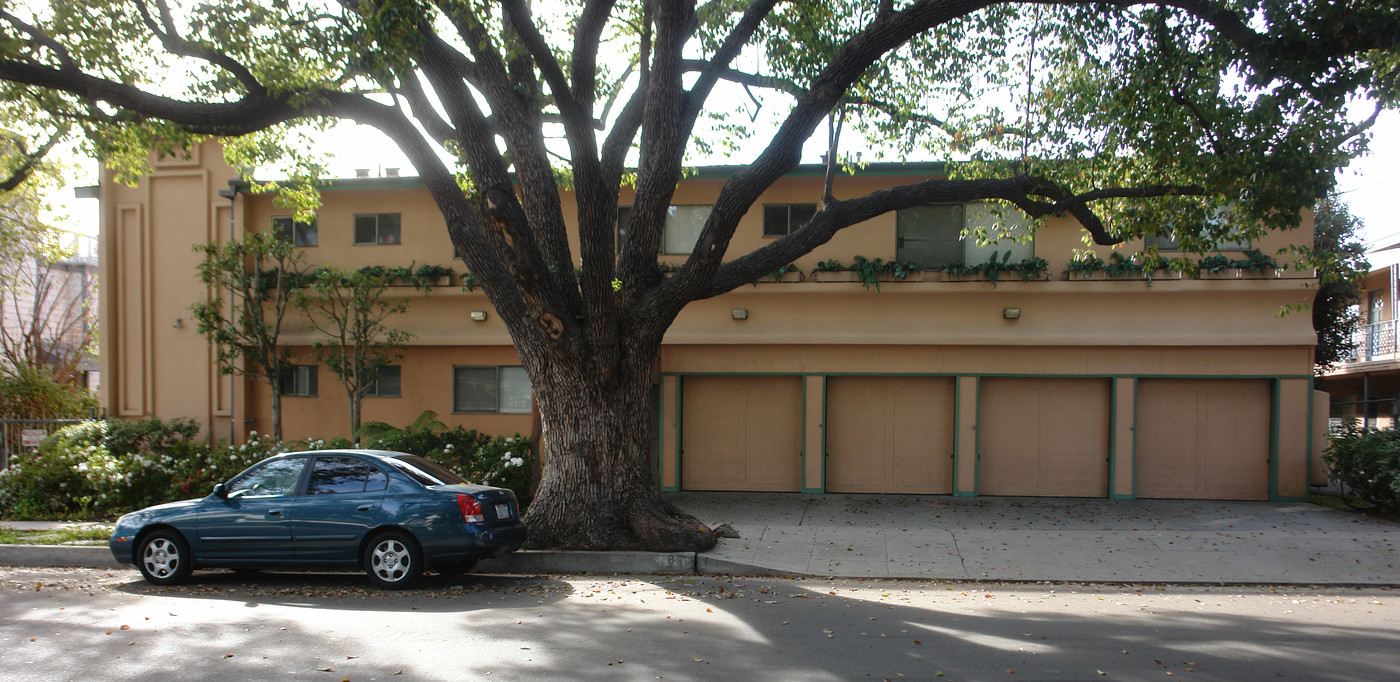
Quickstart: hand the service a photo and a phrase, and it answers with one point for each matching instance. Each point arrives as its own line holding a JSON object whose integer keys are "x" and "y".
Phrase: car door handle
{"x": 365, "y": 507}
{"x": 274, "y": 512}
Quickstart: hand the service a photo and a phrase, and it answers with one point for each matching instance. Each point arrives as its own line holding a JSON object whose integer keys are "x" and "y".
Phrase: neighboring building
{"x": 1171, "y": 388}
{"x": 48, "y": 309}
{"x": 1367, "y": 386}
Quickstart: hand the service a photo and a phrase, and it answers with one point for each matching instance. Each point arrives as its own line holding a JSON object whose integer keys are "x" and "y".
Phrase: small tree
{"x": 1340, "y": 259}
{"x": 259, "y": 276}
{"x": 349, "y": 307}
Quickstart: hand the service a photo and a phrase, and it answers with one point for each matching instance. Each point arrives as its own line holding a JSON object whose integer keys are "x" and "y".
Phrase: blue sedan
{"x": 390, "y": 514}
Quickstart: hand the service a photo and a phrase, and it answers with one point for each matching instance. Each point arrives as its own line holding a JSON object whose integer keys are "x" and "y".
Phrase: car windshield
{"x": 425, "y": 471}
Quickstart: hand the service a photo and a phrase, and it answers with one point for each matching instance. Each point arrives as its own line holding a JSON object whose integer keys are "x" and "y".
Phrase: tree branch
{"x": 173, "y": 43}
{"x": 32, "y": 159}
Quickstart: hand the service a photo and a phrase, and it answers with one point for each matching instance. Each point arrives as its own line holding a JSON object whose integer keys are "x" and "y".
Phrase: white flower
{"x": 517, "y": 461}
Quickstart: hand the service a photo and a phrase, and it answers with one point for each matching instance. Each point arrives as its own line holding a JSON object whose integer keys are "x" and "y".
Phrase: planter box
{"x": 911, "y": 277}
{"x": 1094, "y": 275}
{"x": 835, "y": 276}
{"x": 794, "y": 276}
{"x": 962, "y": 277}
{"x": 1238, "y": 273}
{"x": 1162, "y": 274}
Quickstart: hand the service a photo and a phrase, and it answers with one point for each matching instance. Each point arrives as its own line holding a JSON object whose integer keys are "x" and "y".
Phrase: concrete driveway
{"x": 1013, "y": 538}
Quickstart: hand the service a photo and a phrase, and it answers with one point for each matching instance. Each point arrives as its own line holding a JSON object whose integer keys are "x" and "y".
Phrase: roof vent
{"x": 361, "y": 172}
{"x": 391, "y": 172}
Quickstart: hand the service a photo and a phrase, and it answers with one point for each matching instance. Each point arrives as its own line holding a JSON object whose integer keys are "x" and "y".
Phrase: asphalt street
{"x": 80, "y": 624}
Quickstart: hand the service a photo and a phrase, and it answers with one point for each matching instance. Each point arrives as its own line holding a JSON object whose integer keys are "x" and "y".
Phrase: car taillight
{"x": 471, "y": 509}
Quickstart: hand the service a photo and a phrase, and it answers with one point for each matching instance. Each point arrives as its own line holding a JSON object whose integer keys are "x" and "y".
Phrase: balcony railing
{"x": 1375, "y": 342}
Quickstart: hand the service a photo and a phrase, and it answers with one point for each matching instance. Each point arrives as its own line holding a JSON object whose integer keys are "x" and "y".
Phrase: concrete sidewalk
{"x": 985, "y": 538}
{"x": 1001, "y": 538}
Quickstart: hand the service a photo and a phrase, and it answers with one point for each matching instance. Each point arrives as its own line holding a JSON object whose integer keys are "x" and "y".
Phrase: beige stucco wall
{"x": 154, "y": 363}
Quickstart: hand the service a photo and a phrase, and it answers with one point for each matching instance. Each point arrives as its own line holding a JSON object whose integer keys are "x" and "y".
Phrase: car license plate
{"x": 502, "y": 511}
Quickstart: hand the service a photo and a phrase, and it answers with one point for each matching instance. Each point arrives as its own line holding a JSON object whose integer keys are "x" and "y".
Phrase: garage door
{"x": 1043, "y": 437}
{"x": 889, "y": 435}
{"x": 741, "y": 433}
{"x": 1203, "y": 439}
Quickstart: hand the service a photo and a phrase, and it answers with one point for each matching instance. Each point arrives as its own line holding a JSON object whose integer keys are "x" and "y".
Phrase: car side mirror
{"x": 221, "y": 491}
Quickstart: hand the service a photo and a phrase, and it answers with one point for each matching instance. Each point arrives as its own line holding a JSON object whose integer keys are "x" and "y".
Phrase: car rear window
{"x": 425, "y": 471}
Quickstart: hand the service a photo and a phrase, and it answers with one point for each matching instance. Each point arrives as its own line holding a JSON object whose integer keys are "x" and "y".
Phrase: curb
{"x": 75, "y": 556}
{"x": 551, "y": 561}
{"x": 524, "y": 562}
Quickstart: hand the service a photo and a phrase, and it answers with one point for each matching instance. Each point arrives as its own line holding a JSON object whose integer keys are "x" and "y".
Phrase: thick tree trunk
{"x": 597, "y": 490}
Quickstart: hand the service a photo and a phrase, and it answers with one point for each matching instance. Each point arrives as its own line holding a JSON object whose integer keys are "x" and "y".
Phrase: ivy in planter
{"x": 830, "y": 265}
{"x": 427, "y": 275}
{"x": 870, "y": 271}
{"x": 1122, "y": 268}
{"x": 777, "y": 275}
{"x": 1256, "y": 261}
{"x": 1215, "y": 264}
{"x": 468, "y": 282}
{"x": 1027, "y": 268}
{"x": 1084, "y": 265}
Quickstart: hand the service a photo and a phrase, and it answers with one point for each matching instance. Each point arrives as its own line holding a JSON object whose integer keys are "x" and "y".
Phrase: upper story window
{"x": 299, "y": 380}
{"x": 1168, "y": 242}
{"x": 504, "y": 390}
{"x": 294, "y": 231}
{"x": 682, "y": 229}
{"x": 783, "y": 219}
{"x": 386, "y": 383}
{"x": 932, "y": 235}
{"x": 376, "y": 228}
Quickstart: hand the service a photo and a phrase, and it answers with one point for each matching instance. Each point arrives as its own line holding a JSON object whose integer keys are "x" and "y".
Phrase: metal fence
{"x": 1374, "y": 342}
{"x": 18, "y": 436}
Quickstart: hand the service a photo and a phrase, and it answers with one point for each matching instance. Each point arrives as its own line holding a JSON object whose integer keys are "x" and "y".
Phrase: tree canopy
{"x": 1206, "y": 118}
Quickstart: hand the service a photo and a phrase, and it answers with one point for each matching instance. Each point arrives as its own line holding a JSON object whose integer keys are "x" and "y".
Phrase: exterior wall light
{"x": 1011, "y": 313}
{"x": 739, "y": 314}
{"x": 479, "y": 315}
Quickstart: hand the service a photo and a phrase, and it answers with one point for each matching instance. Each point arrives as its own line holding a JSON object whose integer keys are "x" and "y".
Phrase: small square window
{"x": 783, "y": 219}
{"x": 387, "y": 383}
{"x": 377, "y": 228}
{"x": 299, "y": 380}
{"x": 294, "y": 232}
{"x": 504, "y": 390}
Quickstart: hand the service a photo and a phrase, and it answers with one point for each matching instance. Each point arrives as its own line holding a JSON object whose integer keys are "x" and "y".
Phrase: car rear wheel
{"x": 163, "y": 558}
{"x": 393, "y": 560}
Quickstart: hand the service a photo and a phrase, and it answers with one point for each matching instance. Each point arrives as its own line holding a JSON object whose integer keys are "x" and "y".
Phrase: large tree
{"x": 1131, "y": 117}
{"x": 1340, "y": 260}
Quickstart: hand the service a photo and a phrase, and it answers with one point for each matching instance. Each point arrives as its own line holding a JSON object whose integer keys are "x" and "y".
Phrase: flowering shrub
{"x": 507, "y": 462}
{"x": 103, "y": 468}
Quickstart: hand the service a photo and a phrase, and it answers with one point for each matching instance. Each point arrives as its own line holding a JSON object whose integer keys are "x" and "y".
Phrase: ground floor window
{"x": 504, "y": 390}
{"x": 299, "y": 380}
{"x": 386, "y": 382}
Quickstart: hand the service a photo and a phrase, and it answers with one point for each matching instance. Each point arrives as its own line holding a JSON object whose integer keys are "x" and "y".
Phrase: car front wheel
{"x": 393, "y": 560}
{"x": 163, "y": 558}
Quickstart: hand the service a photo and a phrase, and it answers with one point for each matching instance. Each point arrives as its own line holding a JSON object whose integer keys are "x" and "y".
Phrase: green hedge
{"x": 100, "y": 469}
{"x": 1368, "y": 464}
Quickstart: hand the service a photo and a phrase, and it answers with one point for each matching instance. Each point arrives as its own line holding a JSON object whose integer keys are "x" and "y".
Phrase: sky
{"x": 1369, "y": 185}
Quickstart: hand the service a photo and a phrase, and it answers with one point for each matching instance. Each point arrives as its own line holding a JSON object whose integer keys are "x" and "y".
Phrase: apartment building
{"x": 1068, "y": 384}
{"x": 1366, "y": 386}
